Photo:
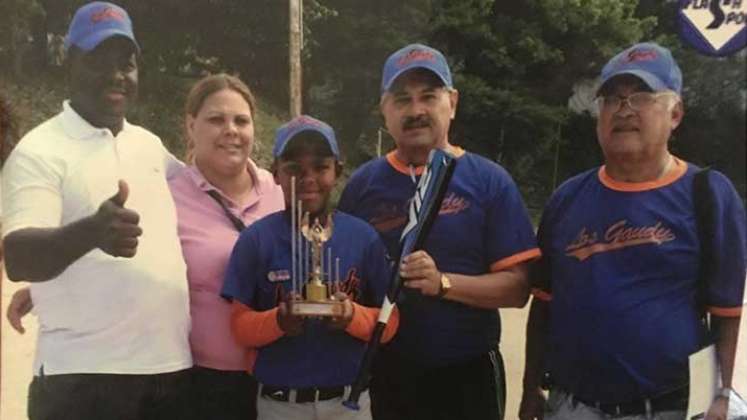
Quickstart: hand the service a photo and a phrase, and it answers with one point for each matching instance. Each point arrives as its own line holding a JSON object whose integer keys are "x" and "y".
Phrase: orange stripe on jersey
{"x": 391, "y": 157}
{"x": 541, "y": 295}
{"x": 364, "y": 321}
{"x": 675, "y": 173}
{"x": 507, "y": 262}
{"x": 725, "y": 312}
{"x": 254, "y": 328}
{"x": 402, "y": 167}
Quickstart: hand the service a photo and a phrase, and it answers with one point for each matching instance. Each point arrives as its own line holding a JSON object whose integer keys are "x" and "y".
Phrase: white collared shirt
{"x": 102, "y": 314}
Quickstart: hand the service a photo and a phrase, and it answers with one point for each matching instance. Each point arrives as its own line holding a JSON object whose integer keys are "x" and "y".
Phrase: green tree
{"x": 16, "y": 24}
{"x": 714, "y": 130}
{"x": 346, "y": 50}
{"x": 516, "y": 65}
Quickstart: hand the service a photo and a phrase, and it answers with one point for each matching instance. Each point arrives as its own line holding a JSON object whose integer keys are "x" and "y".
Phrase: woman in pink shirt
{"x": 216, "y": 195}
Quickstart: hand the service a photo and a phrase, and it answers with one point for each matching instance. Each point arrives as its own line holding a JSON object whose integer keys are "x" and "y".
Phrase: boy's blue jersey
{"x": 259, "y": 275}
{"x": 482, "y": 227}
{"x": 621, "y": 263}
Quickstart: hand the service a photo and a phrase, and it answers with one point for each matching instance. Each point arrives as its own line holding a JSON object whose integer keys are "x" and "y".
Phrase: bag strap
{"x": 704, "y": 202}
{"x": 237, "y": 223}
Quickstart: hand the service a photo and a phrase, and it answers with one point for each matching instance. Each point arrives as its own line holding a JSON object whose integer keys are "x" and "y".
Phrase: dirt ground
{"x": 18, "y": 353}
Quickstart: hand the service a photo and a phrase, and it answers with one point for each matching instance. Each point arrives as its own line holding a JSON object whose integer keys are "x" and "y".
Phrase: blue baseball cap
{"x": 96, "y": 22}
{"x": 415, "y": 56}
{"x": 300, "y": 124}
{"x": 648, "y": 61}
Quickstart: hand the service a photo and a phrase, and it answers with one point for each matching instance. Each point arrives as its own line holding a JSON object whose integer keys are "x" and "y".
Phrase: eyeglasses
{"x": 637, "y": 101}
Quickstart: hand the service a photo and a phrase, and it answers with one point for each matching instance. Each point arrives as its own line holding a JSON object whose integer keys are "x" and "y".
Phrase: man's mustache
{"x": 415, "y": 122}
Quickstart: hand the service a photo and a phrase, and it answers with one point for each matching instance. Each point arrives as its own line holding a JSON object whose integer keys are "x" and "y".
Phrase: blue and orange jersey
{"x": 482, "y": 227}
{"x": 620, "y": 265}
{"x": 259, "y": 276}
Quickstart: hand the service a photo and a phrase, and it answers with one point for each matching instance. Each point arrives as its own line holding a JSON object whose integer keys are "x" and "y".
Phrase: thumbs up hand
{"x": 117, "y": 226}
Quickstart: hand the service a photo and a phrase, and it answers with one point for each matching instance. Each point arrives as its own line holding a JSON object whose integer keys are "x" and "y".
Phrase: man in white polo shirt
{"x": 88, "y": 219}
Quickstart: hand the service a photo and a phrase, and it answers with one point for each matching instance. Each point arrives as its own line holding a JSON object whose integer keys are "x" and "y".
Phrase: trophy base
{"x": 329, "y": 308}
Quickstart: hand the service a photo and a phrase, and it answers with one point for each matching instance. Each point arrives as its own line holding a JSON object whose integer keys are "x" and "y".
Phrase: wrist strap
{"x": 235, "y": 221}
{"x": 724, "y": 392}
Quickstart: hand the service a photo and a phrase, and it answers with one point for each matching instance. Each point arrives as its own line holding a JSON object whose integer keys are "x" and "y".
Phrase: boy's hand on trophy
{"x": 341, "y": 322}
{"x": 291, "y": 325}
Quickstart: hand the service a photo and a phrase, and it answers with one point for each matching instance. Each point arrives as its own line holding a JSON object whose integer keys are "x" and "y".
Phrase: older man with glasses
{"x": 622, "y": 284}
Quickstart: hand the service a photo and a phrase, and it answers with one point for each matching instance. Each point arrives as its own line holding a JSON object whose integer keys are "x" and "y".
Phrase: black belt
{"x": 670, "y": 401}
{"x": 303, "y": 395}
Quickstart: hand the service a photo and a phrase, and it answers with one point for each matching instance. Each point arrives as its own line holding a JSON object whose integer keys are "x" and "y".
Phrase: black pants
{"x": 471, "y": 390}
{"x": 162, "y": 396}
{"x": 223, "y": 395}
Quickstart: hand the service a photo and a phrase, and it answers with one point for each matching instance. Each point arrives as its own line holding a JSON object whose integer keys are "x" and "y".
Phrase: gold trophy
{"x": 312, "y": 284}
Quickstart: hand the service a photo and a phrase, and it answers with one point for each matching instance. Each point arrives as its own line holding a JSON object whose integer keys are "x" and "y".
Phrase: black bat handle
{"x": 394, "y": 288}
{"x": 364, "y": 373}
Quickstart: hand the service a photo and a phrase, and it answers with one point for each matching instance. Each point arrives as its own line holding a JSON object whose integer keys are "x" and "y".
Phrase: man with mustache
{"x": 444, "y": 361}
{"x": 89, "y": 221}
{"x": 615, "y": 317}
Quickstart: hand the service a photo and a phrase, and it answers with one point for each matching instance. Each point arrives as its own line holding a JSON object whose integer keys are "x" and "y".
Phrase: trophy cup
{"x": 313, "y": 287}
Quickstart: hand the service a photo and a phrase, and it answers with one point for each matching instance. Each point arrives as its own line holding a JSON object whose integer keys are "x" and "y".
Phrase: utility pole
{"x": 295, "y": 46}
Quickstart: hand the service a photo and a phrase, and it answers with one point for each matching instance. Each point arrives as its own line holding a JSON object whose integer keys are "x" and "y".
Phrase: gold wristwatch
{"x": 445, "y": 286}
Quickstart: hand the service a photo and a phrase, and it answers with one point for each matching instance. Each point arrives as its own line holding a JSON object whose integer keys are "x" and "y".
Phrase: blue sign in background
{"x": 692, "y": 36}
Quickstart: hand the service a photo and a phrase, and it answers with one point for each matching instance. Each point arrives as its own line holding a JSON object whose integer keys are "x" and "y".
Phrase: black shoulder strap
{"x": 237, "y": 223}
{"x": 703, "y": 200}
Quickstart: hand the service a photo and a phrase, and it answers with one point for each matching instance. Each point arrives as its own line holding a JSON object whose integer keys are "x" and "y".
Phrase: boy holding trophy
{"x": 304, "y": 283}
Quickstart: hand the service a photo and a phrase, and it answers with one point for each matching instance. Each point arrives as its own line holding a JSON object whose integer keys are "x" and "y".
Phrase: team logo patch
{"x": 714, "y": 27}
{"x": 416, "y": 55}
{"x": 303, "y": 120}
{"x": 453, "y": 204}
{"x": 639, "y": 55}
{"x": 278, "y": 275}
{"x": 390, "y": 216}
{"x": 107, "y": 13}
{"x": 617, "y": 236}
